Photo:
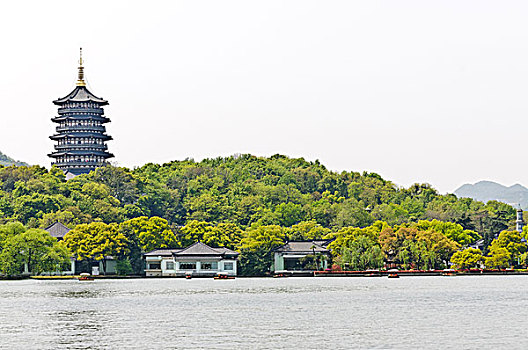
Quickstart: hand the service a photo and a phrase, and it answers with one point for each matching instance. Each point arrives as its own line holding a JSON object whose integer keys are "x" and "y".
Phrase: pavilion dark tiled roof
{"x": 304, "y": 247}
{"x": 163, "y": 252}
{"x": 57, "y": 230}
{"x": 226, "y": 251}
{"x": 200, "y": 249}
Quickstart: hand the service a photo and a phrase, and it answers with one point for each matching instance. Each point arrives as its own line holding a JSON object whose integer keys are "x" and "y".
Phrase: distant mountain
{"x": 7, "y": 161}
{"x": 488, "y": 190}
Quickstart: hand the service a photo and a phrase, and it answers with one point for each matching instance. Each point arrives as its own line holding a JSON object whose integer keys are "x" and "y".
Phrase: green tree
{"x": 33, "y": 248}
{"x": 512, "y": 242}
{"x": 306, "y": 231}
{"x": 345, "y": 236}
{"x": 363, "y": 253}
{"x": 121, "y": 184}
{"x": 149, "y": 233}
{"x": 96, "y": 242}
{"x": 123, "y": 267}
{"x": 70, "y": 217}
{"x": 224, "y": 235}
{"x": 467, "y": 258}
{"x": 289, "y": 213}
{"x": 498, "y": 257}
{"x": 451, "y": 230}
{"x": 195, "y": 231}
{"x": 145, "y": 234}
{"x": 10, "y": 229}
{"x": 414, "y": 253}
{"x": 34, "y": 205}
{"x": 391, "y": 213}
{"x": 352, "y": 213}
{"x": 439, "y": 248}
{"x": 256, "y": 249}
{"x": 55, "y": 259}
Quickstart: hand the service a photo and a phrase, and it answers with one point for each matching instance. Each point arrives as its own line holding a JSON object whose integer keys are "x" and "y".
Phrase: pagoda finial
{"x": 80, "y": 80}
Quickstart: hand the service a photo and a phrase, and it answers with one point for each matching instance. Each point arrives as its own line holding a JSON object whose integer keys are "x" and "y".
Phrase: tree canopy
{"x": 33, "y": 249}
{"x": 251, "y": 204}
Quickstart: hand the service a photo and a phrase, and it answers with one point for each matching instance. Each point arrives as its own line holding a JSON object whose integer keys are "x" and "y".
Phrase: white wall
{"x": 198, "y": 270}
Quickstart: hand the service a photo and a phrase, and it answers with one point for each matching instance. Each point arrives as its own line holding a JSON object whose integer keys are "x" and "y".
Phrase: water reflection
{"x": 71, "y": 294}
{"x": 80, "y": 326}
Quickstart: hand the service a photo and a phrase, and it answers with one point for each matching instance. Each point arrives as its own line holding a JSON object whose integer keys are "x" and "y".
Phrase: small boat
{"x": 280, "y": 275}
{"x": 372, "y": 273}
{"x": 85, "y": 277}
{"x": 393, "y": 273}
{"x": 223, "y": 276}
{"x": 449, "y": 272}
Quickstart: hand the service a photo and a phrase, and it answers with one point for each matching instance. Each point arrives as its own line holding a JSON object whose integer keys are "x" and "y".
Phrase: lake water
{"x": 487, "y": 312}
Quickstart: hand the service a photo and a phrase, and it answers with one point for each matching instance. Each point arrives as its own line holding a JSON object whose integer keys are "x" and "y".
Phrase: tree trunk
{"x": 29, "y": 261}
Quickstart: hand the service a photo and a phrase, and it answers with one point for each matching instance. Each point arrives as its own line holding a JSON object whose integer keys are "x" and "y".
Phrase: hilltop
{"x": 7, "y": 161}
{"x": 485, "y": 191}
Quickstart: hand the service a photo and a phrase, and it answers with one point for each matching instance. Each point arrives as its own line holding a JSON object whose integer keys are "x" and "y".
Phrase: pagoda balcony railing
{"x": 83, "y": 147}
{"x": 99, "y": 117}
{"x": 79, "y": 164}
{"x": 81, "y": 110}
{"x": 81, "y": 128}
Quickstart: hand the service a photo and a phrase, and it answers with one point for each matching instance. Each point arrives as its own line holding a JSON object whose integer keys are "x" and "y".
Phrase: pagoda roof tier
{"x": 81, "y": 117}
{"x": 81, "y": 153}
{"x": 80, "y": 94}
{"x": 76, "y": 164}
{"x": 81, "y": 134}
{"x": 78, "y": 171}
{"x": 54, "y": 155}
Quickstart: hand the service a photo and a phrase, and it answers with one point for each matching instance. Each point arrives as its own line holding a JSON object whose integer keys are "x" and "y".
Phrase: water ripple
{"x": 304, "y": 313}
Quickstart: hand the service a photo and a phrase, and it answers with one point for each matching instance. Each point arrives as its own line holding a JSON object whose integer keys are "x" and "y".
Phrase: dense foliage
{"x": 242, "y": 190}
{"x": 252, "y": 204}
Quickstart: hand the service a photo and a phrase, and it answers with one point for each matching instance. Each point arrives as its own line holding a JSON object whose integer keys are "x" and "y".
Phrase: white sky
{"x": 417, "y": 91}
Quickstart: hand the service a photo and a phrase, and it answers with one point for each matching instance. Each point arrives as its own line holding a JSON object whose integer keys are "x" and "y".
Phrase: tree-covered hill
{"x": 7, "y": 161}
{"x": 251, "y": 204}
{"x": 243, "y": 190}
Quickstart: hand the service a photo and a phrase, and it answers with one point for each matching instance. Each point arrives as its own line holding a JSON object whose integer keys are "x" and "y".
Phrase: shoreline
{"x": 288, "y": 274}
{"x": 420, "y": 273}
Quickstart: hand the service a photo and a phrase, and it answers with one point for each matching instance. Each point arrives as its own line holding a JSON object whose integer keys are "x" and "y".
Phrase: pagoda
{"x": 81, "y": 134}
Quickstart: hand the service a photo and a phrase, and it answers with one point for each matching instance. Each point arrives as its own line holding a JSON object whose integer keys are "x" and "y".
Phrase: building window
{"x": 169, "y": 265}
{"x": 209, "y": 265}
{"x": 154, "y": 266}
{"x": 187, "y": 266}
{"x": 228, "y": 266}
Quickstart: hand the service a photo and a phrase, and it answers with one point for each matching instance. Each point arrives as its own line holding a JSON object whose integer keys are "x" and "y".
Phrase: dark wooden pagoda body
{"x": 81, "y": 133}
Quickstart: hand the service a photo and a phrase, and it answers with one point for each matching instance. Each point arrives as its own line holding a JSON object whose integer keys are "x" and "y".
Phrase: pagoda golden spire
{"x": 80, "y": 80}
